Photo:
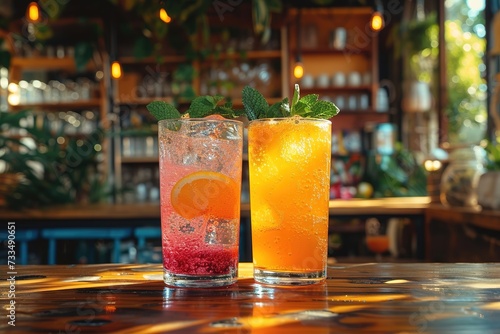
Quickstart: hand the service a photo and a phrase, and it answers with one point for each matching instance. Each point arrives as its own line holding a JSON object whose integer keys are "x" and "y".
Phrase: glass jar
{"x": 460, "y": 178}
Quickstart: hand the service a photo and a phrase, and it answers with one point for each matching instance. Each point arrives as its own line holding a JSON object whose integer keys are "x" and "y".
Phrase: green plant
{"x": 50, "y": 173}
{"x": 192, "y": 17}
{"x": 396, "y": 175}
{"x": 416, "y": 41}
{"x": 492, "y": 156}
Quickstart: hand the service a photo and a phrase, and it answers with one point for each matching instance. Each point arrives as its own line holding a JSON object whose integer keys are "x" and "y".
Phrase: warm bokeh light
{"x": 116, "y": 70}
{"x": 33, "y": 12}
{"x": 432, "y": 165}
{"x": 164, "y": 16}
{"x": 377, "y": 22}
{"x": 298, "y": 70}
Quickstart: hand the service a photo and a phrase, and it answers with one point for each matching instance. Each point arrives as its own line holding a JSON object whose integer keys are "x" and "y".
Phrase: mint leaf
{"x": 295, "y": 99}
{"x": 285, "y": 107}
{"x": 203, "y": 106}
{"x": 228, "y": 112}
{"x": 305, "y": 104}
{"x": 254, "y": 103}
{"x": 309, "y": 99}
{"x": 302, "y": 109}
{"x": 274, "y": 111}
{"x": 162, "y": 110}
{"x": 323, "y": 109}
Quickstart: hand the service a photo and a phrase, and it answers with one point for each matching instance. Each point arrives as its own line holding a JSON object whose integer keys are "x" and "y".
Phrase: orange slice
{"x": 216, "y": 117}
{"x": 206, "y": 193}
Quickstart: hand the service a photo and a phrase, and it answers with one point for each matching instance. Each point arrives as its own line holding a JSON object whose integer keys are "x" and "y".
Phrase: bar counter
{"x": 397, "y": 206}
{"x": 357, "y": 298}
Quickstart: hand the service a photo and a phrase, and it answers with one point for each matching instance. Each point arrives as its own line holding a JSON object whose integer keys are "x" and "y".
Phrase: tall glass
{"x": 200, "y": 183}
{"x": 289, "y": 165}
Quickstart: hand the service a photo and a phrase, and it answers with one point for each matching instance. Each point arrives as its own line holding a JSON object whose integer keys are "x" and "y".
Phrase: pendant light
{"x": 298, "y": 70}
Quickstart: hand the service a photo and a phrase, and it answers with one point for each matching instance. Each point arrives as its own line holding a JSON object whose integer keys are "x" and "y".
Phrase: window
{"x": 465, "y": 108}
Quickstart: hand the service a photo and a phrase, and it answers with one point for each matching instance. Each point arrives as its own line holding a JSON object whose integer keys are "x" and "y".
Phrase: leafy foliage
{"x": 256, "y": 106}
{"x": 492, "y": 156}
{"x": 466, "y": 99}
{"x": 397, "y": 175}
{"x": 51, "y": 173}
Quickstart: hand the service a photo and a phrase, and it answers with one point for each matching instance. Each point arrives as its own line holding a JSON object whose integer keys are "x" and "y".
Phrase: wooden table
{"x": 362, "y": 298}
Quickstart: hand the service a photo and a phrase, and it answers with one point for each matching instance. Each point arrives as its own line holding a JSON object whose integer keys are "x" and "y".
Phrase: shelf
{"x": 331, "y": 90}
{"x": 152, "y": 60}
{"x": 83, "y": 104}
{"x": 43, "y": 63}
{"x": 258, "y": 54}
{"x": 328, "y": 52}
{"x": 146, "y": 100}
{"x": 139, "y": 160}
{"x": 362, "y": 112}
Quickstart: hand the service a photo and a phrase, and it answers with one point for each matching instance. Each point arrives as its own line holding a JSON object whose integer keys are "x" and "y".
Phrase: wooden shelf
{"x": 44, "y": 63}
{"x": 329, "y": 52}
{"x": 146, "y": 100}
{"x": 257, "y": 54}
{"x": 332, "y": 90}
{"x": 139, "y": 160}
{"x": 152, "y": 60}
{"x": 362, "y": 112}
{"x": 81, "y": 104}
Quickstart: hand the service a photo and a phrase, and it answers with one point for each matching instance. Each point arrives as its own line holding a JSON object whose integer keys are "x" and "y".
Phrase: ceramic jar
{"x": 460, "y": 178}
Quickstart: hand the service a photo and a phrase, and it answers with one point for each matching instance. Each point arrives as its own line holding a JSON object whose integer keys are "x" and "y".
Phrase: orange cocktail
{"x": 289, "y": 161}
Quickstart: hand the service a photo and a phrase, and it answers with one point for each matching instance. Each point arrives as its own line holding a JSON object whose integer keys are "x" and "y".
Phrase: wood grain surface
{"x": 357, "y": 298}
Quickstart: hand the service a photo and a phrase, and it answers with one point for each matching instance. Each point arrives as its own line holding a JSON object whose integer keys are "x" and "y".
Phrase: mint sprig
{"x": 310, "y": 106}
{"x": 200, "y": 107}
{"x": 255, "y": 107}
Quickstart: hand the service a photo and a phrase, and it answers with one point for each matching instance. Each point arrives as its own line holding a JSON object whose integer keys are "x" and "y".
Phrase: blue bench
{"x": 22, "y": 237}
{"x": 115, "y": 234}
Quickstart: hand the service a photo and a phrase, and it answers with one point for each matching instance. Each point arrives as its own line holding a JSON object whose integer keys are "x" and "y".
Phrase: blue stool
{"x": 116, "y": 234}
{"x": 147, "y": 254}
{"x": 22, "y": 237}
{"x": 147, "y": 232}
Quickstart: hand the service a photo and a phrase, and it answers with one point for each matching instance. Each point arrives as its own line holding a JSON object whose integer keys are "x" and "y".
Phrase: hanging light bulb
{"x": 164, "y": 16}
{"x": 33, "y": 12}
{"x": 116, "y": 70}
{"x": 377, "y": 21}
{"x": 298, "y": 70}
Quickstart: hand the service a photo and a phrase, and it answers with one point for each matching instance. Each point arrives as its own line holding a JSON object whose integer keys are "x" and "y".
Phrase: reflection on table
{"x": 359, "y": 298}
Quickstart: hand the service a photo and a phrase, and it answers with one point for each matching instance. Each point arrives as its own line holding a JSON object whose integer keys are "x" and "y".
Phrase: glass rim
{"x": 199, "y": 120}
{"x": 281, "y": 119}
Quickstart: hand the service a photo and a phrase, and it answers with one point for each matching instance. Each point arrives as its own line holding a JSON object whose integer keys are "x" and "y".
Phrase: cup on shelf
{"x": 382, "y": 104}
{"x": 322, "y": 81}
{"x": 339, "y": 101}
{"x": 338, "y": 38}
{"x": 363, "y": 101}
{"x": 307, "y": 81}
{"x": 352, "y": 102}
{"x": 354, "y": 79}
{"x": 339, "y": 79}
